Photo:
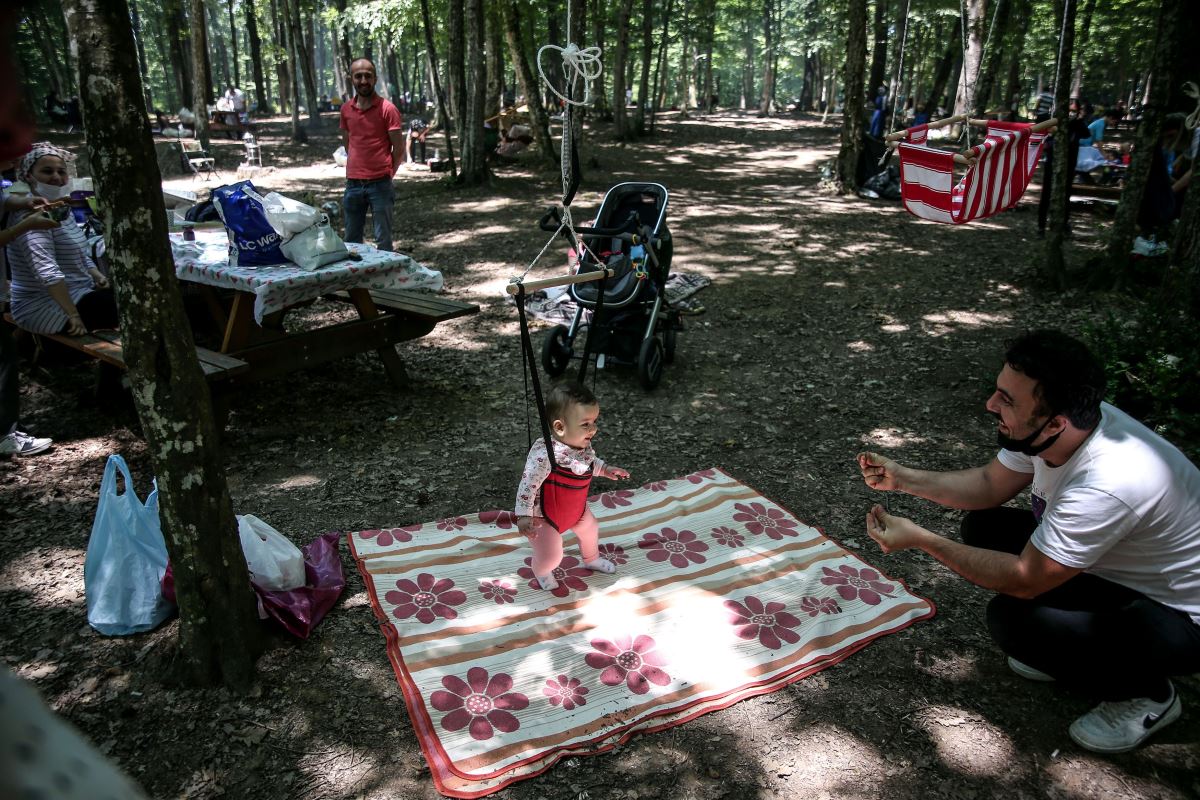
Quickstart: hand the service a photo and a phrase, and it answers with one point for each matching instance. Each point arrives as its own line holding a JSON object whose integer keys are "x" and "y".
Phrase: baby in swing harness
{"x": 552, "y": 497}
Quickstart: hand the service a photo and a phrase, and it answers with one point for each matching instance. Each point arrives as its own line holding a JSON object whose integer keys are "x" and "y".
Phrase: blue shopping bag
{"x": 252, "y": 240}
{"x": 126, "y": 559}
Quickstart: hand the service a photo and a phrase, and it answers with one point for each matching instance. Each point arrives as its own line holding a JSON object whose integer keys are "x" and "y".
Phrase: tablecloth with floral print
{"x": 719, "y": 594}
{"x": 206, "y": 260}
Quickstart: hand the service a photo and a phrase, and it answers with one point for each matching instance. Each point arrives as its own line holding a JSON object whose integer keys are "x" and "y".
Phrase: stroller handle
{"x": 552, "y": 220}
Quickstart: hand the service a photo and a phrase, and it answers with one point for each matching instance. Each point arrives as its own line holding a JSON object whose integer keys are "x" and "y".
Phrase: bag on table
{"x": 252, "y": 240}
{"x": 273, "y": 561}
{"x": 126, "y": 559}
{"x": 309, "y": 240}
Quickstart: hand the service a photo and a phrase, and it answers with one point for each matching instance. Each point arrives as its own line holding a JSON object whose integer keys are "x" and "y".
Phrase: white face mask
{"x": 51, "y": 192}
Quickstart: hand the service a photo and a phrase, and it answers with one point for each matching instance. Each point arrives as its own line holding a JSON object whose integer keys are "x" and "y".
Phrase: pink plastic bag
{"x": 298, "y": 610}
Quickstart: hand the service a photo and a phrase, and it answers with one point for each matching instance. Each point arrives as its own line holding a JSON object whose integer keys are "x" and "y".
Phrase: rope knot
{"x": 577, "y": 63}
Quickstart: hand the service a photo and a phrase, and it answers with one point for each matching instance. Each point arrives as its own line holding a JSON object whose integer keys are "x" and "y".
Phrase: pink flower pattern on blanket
{"x": 614, "y": 553}
{"x": 760, "y": 519}
{"x": 501, "y": 519}
{"x": 616, "y": 498}
{"x": 768, "y": 623}
{"x": 851, "y": 583}
{"x": 727, "y": 536}
{"x": 819, "y": 605}
{"x": 629, "y": 659}
{"x": 500, "y": 591}
{"x": 570, "y": 574}
{"x": 390, "y": 536}
{"x": 681, "y": 548}
{"x": 482, "y": 705}
{"x": 702, "y": 476}
{"x": 567, "y": 692}
{"x": 452, "y": 524}
{"x": 427, "y": 598}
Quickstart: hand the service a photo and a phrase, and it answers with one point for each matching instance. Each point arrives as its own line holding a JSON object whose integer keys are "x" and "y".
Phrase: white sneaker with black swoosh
{"x": 1118, "y": 727}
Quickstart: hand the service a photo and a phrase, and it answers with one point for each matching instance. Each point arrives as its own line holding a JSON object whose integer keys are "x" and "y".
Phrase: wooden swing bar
{"x": 962, "y": 158}
{"x": 562, "y": 280}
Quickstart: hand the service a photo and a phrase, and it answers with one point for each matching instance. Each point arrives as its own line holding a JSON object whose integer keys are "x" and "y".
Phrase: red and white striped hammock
{"x": 999, "y": 171}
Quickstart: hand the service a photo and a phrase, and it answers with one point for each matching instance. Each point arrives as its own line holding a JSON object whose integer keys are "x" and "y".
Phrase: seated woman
{"x": 55, "y": 287}
{"x": 418, "y": 129}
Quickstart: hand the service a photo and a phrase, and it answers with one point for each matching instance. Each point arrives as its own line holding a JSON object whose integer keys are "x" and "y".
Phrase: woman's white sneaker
{"x": 1118, "y": 727}
{"x": 18, "y": 443}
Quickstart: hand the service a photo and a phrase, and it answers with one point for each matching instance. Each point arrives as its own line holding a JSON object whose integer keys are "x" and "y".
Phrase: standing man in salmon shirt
{"x": 374, "y": 140}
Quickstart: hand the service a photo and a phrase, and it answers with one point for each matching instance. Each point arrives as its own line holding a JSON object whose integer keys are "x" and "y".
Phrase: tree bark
{"x": 1015, "y": 49}
{"x": 237, "y": 68}
{"x": 304, "y": 60}
{"x": 439, "y": 95}
{"x": 1055, "y": 267}
{"x": 900, "y": 58}
{"x": 343, "y": 51}
{"x": 283, "y": 76}
{"x": 1085, "y": 31}
{"x": 942, "y": 76}
{"x": 299, "y": 134}
{"x": 879, "y": 51}
{"x": 170, "y": 77}
{"x": 1149, "y": 131}
{"x": 455, "y": 71}
{"x": 553, "y": 66}
{"x": 620, "y": 115}
{"x": 180, "y": 51}
{"x": 256, "y": 65}
{"x": 494, "y": 98}
{"x": 143, "y": 70}
{"x": 218, "y": 633}
{"x": 964, "y": 98}
{"x": 766, "y": 107}
{"x": 708, "y": 35}
{"x": 600, "y": 102}
{"x": 991, "y": 59}
{"x": 639, "y": 116}
{"x": 529, "y": 83}
{"x": 217, "y": 42}
{"x": 474, "y": 156}
{"x": 852, "y": 113}
{"x": 199, "y": 69}
{"x": 662, "y": 56}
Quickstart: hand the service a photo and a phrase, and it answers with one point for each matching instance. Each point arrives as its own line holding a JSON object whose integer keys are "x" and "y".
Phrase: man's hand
{"x": 614, "y": 473}
{"x": 879, "y": 472}
{"x": 893, "y": 533}
{"x": 99, "y": 279}
{"x": 29, "y": 202}
{"x": 75, "y": 326}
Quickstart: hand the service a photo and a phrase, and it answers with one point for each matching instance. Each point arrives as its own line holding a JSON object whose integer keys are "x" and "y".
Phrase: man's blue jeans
{"x": 376, "y": 194}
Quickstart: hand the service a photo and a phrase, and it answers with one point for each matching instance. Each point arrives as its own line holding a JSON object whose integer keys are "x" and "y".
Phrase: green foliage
{"x": 1152, "y": 359}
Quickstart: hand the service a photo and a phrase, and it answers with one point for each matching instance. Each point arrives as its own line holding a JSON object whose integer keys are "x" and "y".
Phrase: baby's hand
{"x": 615, "y": 473}
{"x": 527, "y": 527}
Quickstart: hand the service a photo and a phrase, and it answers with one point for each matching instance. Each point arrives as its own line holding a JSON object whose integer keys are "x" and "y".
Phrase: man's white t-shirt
{"x": 1125, "y": 507}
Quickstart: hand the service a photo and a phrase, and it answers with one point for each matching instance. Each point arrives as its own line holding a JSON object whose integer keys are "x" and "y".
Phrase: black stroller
{"x": 634, "y": 324}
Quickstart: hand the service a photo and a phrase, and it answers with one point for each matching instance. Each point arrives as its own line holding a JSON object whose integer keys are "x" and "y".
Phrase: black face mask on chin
{"x": 1026, "y": 445}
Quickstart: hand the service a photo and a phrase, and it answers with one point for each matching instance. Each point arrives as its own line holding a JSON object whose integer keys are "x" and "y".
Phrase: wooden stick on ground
{"x": 563, "y": 280}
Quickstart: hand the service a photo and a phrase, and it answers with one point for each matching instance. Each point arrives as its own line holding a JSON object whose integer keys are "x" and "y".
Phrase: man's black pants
{"x": 1090, "y": 633}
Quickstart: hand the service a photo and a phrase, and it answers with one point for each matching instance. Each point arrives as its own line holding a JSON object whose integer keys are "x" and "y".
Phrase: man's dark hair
{"x": 1070, "y": 380}
{"x": 564, "y": 395}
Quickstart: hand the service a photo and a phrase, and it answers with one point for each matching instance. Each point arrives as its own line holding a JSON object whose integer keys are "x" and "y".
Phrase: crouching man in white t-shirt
{"x": 1099, "y": 587}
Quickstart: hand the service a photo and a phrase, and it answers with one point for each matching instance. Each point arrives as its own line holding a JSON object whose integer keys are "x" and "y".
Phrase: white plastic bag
{"x": 340, "y": 156}
{"x": 275, "y": 563}
{"x": 315, "y": 246}
{"x": 288, "y": 216}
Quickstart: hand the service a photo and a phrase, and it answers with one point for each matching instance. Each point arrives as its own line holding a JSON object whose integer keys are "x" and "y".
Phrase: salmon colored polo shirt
{"x": 370, "y": 148}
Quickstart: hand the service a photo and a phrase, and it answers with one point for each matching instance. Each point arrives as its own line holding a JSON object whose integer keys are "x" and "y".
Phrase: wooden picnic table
{"x": 377, "y": 283}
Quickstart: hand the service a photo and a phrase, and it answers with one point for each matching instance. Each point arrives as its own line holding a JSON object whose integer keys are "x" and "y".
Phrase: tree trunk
{"x": 343, "y": 52}
{"x": 50, "y": 42}
{"x": 852, "y": 113}
{"x": 662, "y": 56}
{"x": 282, "y": 74}
{"x": 599, "y": 93}
{"x": 639, "y": 116}
{"x": 143, "y": 71}
{"x": 260, "y": 93}
{"x": 748, "y": 58}
{"x": 199, "y": 69}
{"x": 991, "y": 59}
{"x": 180, "y": 63}
{"x": 708, "y": 35}
{"x": 1149, "y": 131}
{"x": 439, "y": 95}
{"x": 1081, "y": 49}
{"x": 217, "y": 42}
{"x": 620, "y": 115}
{"x": 170, "y": 78}
{"x": 942, "y": 75}
{"x": 528, "y": 82}
{"x": 1015, "y": 49}
{"x": 879, "y": 51}
{"x": 474, "y": 155}
{"x": 233, "y": 43}
{"x": 553, "y": 66}
{"x": 287, "y": 16}
{"x": 218, "y": 631}
{"x": 304, "y": 60}
{"x": 895, "y": 93}
{"x": 455, "y": 73}
{"x": 493, "y": 101}
{"x": 766, "y": 107}
{"x": 964, "y": 98}
{"x": 1055, "y": 267}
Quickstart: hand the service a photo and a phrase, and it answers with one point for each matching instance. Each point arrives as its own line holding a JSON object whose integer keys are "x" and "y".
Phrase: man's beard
{"x": 1026, "y": 444}
{"x": 369, "y": 92}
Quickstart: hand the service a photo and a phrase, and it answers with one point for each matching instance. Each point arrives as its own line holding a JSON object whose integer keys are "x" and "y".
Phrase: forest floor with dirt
{"x": 832, "y": 325}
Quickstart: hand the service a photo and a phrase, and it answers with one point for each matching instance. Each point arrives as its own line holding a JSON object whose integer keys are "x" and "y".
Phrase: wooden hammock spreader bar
{"x": 563, "y": 280}
{"x": 962, "y": 158}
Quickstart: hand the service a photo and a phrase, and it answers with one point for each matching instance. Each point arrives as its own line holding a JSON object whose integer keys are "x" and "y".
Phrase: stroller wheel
{"x": 650, "y": 362}
{"x": 669, "y": 345}
{"x": 556, "y": 351}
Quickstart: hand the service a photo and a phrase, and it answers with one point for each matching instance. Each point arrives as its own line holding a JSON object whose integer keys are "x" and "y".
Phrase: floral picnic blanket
{"x": 206, "y": 260}
{"x": 719, "y": 595}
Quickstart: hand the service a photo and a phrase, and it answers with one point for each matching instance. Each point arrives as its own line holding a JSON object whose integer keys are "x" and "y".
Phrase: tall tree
{"x": 233, "y": 43}
{"x": 662, "y": 56}
{"x": 941, "y": 75}
{"x": 879, "y": 50}
{"x": 143, "y": 70}
{"x": 474, "y": 152}
{"x": 217, "y": 42}
{"x": 1081, "y": 48}
{"x": 620, "y": 115}
{"x": 852, "y": 113}
{"x": 1015, "y": 50}
{"x": 528, "y": 81}
{"x": 256, "y": 63}
{"x": 180, "y": 47}
{"x": 303, "y": 65}
{"x": 767, "y": 104}
{"x": 290, "y": 44}
{"x": 438, "y": 94}
{"x": 964, "y": 98}
{"x": 218, "y": 633}
{"x": 343, "y": 50}
{"x": 993, "y": 45}
{"x": 493, "y": 100}
{"x": 639, "y": 116}
{"x": 456, "y": 74}
{"x": 1055, "y": 267}
{"x": 199, "y": 69}
{"x": 599, "y": 93}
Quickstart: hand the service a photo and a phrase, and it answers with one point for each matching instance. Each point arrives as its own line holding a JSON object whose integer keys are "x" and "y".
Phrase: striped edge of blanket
{"x": 673, "y": 603}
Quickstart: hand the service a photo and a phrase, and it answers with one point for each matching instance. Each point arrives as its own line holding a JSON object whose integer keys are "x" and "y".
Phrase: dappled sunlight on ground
{"x": 968, "y": 743}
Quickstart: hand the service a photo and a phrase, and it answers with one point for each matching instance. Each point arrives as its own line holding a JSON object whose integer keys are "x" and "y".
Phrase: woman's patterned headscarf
{"x": 39, "y": 150}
